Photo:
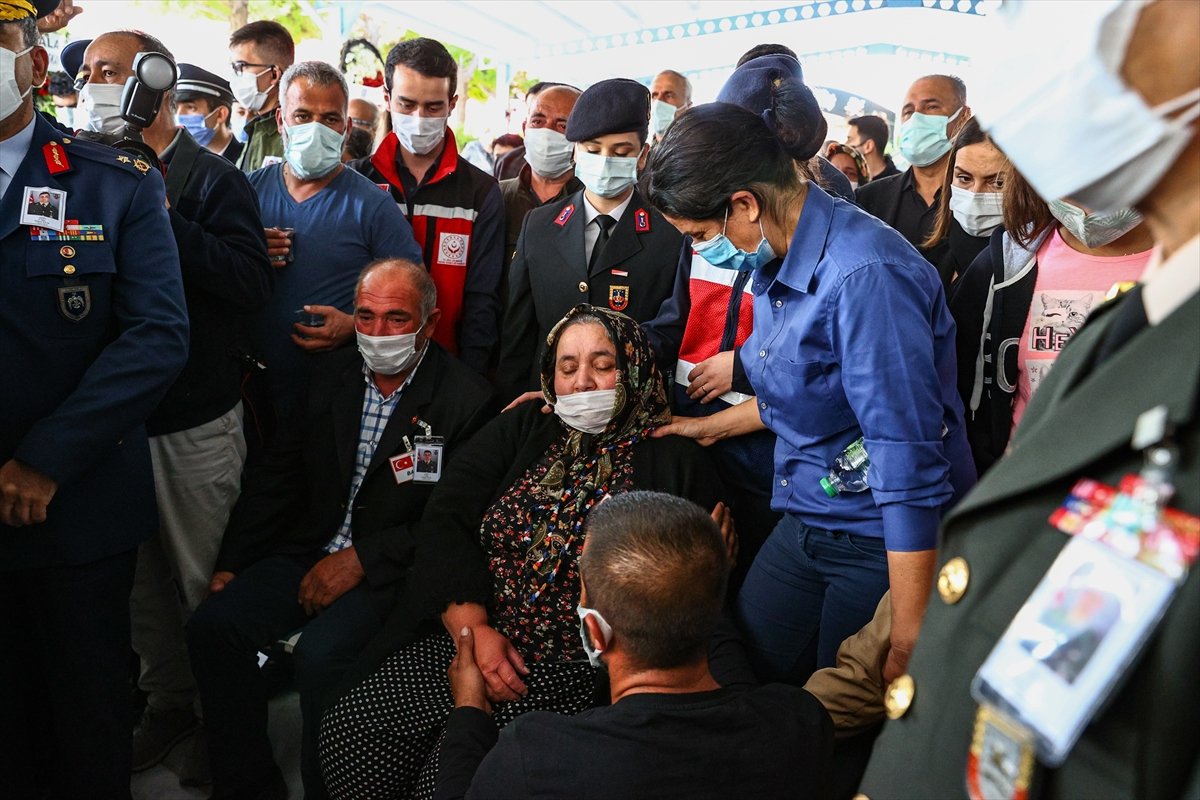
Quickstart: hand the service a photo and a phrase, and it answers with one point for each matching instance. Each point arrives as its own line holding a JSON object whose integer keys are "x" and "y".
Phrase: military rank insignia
{"x": 618, "y": 298}
{"x": 641, "y": 221}
{"x": 565, "y": 215}
{"x": 56, "y": 158}
{"x": 74, "y": 302}
{"x": 142, "y": 166}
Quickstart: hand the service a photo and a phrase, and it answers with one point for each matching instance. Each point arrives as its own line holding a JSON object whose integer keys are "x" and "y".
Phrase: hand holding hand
{"x": 711, "y": 378}
{"x": 329, "y": 579}
{"x": 25, "y": 494}
{"x": 337, "y": 330}
{"x": 466, "y": 681}
{"x": 500, "y": 664}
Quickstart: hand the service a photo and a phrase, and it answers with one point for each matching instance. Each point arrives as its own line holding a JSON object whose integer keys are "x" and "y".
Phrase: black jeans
{"x": 224, "y": 636}
{"x": 65, "y": 715}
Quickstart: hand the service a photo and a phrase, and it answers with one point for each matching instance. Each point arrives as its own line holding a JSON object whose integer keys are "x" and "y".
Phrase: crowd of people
{"x": 668, "y": 449}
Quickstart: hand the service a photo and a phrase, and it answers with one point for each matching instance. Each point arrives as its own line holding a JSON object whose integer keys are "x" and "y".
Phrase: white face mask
{"x": 606, "y": 176}
{"x": 101, "y": 102}
{"x": 388, "y": 355}
{"x": 854, "y": 186}
{"x": 661, "y": 116}
{"x": 11, "y": 95}
{"x": 1094, "y": 230}
{"x": 979, "y": 213}
{"x": 420, "y": 135}
{"x": 589, "y": 412}
{"x": 548, "y": 152}
{"x": 589, "y": 647}
{"x": 1110, "y": 148}
{"x": 312, "y": 150}
{"x": 245, "y": 90}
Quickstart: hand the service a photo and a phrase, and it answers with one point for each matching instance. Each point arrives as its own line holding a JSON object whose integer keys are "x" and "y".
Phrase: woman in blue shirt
{"x": 851, "y": 338}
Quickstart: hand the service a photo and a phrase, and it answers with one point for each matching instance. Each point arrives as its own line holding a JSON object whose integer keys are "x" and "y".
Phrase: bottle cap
{"x": 829, "y": 488}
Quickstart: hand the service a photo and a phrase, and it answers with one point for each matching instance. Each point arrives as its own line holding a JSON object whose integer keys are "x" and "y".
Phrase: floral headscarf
{"x": 579, "y": 478}
{"x": 860, "y": 162}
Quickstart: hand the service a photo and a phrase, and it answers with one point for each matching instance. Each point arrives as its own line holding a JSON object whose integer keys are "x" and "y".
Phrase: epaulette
{"x": 75, "y": 147}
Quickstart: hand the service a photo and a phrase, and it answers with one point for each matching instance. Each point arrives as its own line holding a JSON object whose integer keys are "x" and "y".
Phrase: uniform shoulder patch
{"x": 87, "y": 150}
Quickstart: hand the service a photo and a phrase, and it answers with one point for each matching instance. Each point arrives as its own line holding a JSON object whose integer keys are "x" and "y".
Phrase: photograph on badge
{"x": 43, "y": 207}
{"x": 1072, "y": 640}
{"x": 429, "y": 464}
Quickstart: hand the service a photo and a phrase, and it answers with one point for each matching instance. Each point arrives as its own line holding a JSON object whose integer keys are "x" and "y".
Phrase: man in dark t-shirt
{"x": 653, "y": 578}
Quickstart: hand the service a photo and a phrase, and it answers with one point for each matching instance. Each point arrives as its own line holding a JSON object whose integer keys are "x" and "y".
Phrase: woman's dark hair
{"x": 712, "y": 151}
{"x": 1026, "y": 215}
{"x": 970, "y": 134}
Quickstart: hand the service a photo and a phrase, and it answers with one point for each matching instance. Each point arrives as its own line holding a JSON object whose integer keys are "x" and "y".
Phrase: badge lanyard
{"x": 1087, "y": 620}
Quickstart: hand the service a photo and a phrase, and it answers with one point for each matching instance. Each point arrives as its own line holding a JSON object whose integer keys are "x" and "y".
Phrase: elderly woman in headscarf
{"x": 532, "y": 477}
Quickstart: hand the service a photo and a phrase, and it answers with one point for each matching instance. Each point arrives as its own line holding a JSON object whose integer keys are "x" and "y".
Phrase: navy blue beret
{"x": 71, "y": 56}
{"x": 754, "y": 85}
{"x": 617, "y": 105}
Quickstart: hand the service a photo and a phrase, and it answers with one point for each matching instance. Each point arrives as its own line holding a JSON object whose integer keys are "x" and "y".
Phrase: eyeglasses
{"x": 238, "y": 66}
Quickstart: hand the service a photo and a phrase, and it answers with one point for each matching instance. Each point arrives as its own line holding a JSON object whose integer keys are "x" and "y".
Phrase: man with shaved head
{"x": 934, "y": 111}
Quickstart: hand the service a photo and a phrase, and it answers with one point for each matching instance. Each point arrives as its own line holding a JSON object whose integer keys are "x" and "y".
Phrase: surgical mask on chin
{"x": 194, "y": 124}
{"x": 420, "y": 135}
{"x": 10, "y": 94}
{"x": 312, "y": 150}
{"x": 593, "y": 654}
{"x": 1094, "y": 230}
{"x": 1109, "y": 148}
{"x": 606, "y": 176}
{"x": 978, "y": 213}
{"x": 923, "y": 138}
{"x": 101, "y": 102}
{"x": 388, "y": 355}
{"x": 589, "y": 412}
{"x": 721, "y": 253}
{"x": 548, "y": 152}
{"x": 245, "y": 90}
{"x": 661, "y": 116}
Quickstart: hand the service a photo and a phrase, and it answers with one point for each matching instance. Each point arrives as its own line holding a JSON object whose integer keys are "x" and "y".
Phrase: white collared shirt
{"x": 1168, "y": 284}
{"x": 12, "y": 153}
{"x": 591, "y": 230}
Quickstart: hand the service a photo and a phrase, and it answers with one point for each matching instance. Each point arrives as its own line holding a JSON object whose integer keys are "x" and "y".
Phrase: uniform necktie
{"x": 605, "y": 223}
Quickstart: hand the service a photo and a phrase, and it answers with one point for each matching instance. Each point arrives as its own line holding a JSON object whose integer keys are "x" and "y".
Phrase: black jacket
{"x": 295, "y": 500}
{"x": 549, "y": 276}
{"x": 450, "y": 565}
{"x": 961, "y": 249}
{"x": 990, "y": 304}
{"x": 893, "y": 201}
{"x": 226, "y": 275}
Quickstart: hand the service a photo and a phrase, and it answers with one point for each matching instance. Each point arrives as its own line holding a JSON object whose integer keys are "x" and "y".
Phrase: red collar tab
{"x": 565, "y": 215}
{"x": 56, "y": 158}
{"x": 384, "y": 160}
{"x": 641, "y": 221}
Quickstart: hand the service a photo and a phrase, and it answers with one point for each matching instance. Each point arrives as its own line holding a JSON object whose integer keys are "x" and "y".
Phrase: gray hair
{"x": 28, "y": 28}
{"x": 318, "y": 73}
{"x": 415, "y": 272}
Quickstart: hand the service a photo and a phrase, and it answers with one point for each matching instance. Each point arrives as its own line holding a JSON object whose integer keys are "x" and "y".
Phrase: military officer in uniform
{"x": 94, "y": 330}
{"x": 1121, "y": 401}
{"x": 602, "y": 245}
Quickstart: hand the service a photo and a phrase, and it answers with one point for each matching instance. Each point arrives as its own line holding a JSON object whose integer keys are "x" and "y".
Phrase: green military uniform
{"x": 1143, "y": 742}
{"x": 262, "y": 140}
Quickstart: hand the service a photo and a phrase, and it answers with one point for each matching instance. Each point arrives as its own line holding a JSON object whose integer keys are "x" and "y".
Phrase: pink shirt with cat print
{"x": 1069, "y": 285}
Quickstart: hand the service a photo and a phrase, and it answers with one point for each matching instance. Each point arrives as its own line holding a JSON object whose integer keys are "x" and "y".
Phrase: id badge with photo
{"x": 429, "y": 454}
{"x": 1092, "y": 612}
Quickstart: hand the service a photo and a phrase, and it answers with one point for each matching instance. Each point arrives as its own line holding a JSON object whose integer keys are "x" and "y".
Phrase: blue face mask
{"x": 923, "y": 138}
{"x": 721, "y": 253}
{"x": 194, "y": 124}
{"x": 312, "y": 149}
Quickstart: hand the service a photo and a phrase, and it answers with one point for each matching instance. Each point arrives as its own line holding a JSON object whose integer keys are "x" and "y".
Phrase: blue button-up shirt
{"x": 852, "y": 338}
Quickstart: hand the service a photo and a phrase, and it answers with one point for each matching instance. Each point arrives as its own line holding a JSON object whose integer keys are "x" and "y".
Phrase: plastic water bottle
{"x": 849, "y": 472}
